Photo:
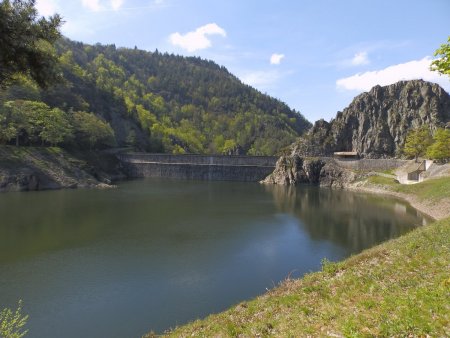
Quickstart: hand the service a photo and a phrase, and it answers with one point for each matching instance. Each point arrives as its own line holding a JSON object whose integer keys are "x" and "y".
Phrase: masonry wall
{"x": 371, "y": 164}
{"x": 200, "y": 159}
{"x": 226, "y": 168}
{"x": 199, "y": 167}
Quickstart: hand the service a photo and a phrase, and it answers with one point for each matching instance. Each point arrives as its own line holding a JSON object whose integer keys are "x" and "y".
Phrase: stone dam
{"x": 198, "y": 167}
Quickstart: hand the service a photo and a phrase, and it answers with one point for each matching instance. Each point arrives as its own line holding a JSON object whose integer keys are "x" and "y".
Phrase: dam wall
{"x": 198, "y": 167}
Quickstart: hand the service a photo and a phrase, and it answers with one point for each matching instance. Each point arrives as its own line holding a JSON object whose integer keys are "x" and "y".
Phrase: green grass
{"x": 381, "y": 180}
{"x": 387, "y": 171}
{"x": 432, "y": 189}
{"x": 400, "y": 288}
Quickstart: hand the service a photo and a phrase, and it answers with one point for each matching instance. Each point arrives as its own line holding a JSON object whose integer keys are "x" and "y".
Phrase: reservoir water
{"x": 154, "y": 254}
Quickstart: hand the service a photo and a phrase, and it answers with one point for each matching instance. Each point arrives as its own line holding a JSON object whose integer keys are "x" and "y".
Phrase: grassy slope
{"x": 432, "y": 189}
{"x": 398, "y": 288}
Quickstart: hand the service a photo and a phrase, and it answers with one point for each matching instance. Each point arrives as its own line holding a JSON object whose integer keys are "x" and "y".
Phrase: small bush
{"x": 12, "y": 323}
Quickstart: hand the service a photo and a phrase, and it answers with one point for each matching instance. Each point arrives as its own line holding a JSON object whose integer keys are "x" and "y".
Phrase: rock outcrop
{"x": 29, "y": 169}
{"x": 334, "y": 176}
{"x": 292, "y": 170}
{"x": 376, "y": 123}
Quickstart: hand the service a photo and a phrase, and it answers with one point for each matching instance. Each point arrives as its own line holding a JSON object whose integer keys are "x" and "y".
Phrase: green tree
{"x": 94, "y": 131}
{"x": 26, "y": 42}
{"x": 36, "y": 120}
{"x": 12, "y": 323}
{"x": 7, "y": 129}
{"x": 146, "y": 119}
{"x": 55, "y": 127}
{"x": 229, "y": 146}
{"x": 440, "y": 149}
{"x": 417, "y": 141}
{"x": 442, "y": 64}
{"x": 17, "y": 119}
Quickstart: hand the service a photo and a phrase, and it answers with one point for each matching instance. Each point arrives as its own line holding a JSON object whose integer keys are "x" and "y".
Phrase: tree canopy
{"x": 35, "y": 123}
{"x": 440, "y": 149}
{"x": 165, "y": 103}
{"x": 146, "y": 100}
{"x": 417, "y": 142}
{"x": 442, "y": 64}
{"x": 26, "y": 42}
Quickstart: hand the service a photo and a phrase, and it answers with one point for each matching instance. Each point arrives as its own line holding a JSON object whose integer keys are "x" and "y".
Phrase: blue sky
{"x": 313, "y": 55}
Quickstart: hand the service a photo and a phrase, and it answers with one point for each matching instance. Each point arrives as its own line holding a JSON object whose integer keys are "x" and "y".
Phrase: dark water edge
{"x": 153, "y": 254}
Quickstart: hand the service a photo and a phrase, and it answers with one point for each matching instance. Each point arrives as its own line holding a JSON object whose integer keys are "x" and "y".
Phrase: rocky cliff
{"x": 376, "y": 123}
{"x": 293, "y": 170}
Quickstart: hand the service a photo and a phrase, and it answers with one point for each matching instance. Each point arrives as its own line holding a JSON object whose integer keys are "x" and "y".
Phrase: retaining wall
{"x": 198, "y": 167}
{"x": 199, "y": 159}
{"x": 371, "y": 164}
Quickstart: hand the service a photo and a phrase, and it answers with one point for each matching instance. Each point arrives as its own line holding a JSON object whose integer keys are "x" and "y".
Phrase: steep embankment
{"x": 397, "y": 289}
{"x": 30, "y": 168}
{"x": 376, "y": 123}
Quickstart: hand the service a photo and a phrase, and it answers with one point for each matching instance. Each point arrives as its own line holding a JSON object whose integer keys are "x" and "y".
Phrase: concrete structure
{"x": 367, "y": 164}
{"x": 353, "y": 155}
{"x": 198, "y": 167}
{"x": 418, "y": 173}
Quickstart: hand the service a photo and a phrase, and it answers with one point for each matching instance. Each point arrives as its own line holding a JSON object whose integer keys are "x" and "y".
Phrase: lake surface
{"x": 156, "y": 253}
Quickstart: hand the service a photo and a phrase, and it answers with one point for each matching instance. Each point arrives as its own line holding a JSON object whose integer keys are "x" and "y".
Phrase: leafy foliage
{"x": 12, "y": 323}
{"x": 89, "y": 128}
{"x": 442, "y": 64}
{"x": 26, "y": 42}
{"x": 162, "y": 102}
{"x": 440, "y": 149}
{"x": 152, "y": 101}
{"x": 417, "y": 142}
{"x": 32, "y": 123}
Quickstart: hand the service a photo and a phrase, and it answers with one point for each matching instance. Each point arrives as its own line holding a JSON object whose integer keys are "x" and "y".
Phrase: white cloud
{"x": 116, "y": 4}
{"x": 93, "y": 5}
{"x": 417, "y": 69}
{"x": 360, "y": 59}
{"x": 275, "y": 59}
{"x": 77, "y": 29}
{"x": 260, "y": 79}
{"x": 46, "y": 7}
{"x": 197, "y": 39}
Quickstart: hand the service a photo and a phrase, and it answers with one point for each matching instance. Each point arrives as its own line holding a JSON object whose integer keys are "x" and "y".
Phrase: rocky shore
{"x": 327, "y": 172}
{"x": 436, "y": 211}
{"x": 292, "y": 170}
{"x": 38, "y": 168}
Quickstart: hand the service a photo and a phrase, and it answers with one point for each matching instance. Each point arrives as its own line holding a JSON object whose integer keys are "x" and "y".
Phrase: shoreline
{"x": 435, "y": 211}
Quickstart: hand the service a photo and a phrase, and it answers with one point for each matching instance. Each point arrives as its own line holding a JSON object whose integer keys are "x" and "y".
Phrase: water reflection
{"x": 353, "y": 220}
{"x": 156, "y": 253}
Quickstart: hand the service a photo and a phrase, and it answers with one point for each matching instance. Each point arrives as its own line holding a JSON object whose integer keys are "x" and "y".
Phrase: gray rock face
{"x": 291, "y": 170}
{"x": 376, "y": 123}
{"x": 334, "y": 176}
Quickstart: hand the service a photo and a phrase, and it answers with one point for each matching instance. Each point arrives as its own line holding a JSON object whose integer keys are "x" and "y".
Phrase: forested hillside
{"x": 153, "y": 102}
